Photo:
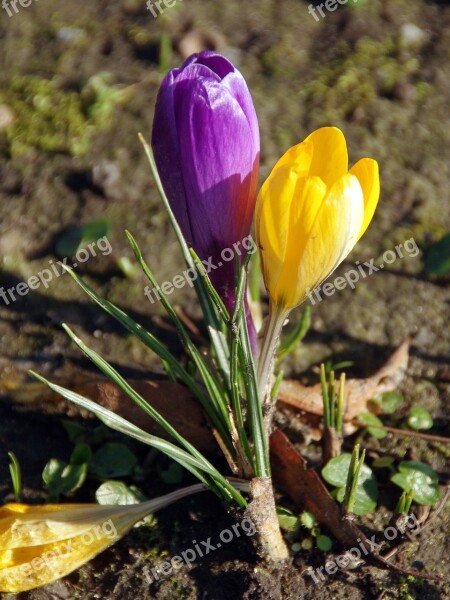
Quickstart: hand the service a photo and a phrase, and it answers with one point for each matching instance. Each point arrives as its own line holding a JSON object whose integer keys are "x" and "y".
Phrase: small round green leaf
{"x": 116, "y": 493}
{"x": 388, "y": 402}
{"x": 287, "y": 520}
{"x": 420, "y": 478}
{"x": 384, "y": 462}
{"x": 307, "y": 519}
{"x": 335, "y": 473}
{"x": 60, "y": 478}
{"x": 370, "y": 419}
{"x": 419, "y": 418}
{"x": 408, "y": 466}
{"x": 81, "y": 454}
{"x": 437, "y": 259}
{"x": 324, "y": 543}
{"x": 74, "y": 238}
{"x": 113, "y": 460}
{"x": 173, "y": 474}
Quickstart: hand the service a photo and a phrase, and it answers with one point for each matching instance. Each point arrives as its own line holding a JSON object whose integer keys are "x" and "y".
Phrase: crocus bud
{"x": 310, "y": 213}
{"x": 206, "y": 145}
{"x": 39, "y": 544}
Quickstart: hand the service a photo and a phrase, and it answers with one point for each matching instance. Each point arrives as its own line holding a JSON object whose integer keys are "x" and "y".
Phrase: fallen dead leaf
{"x": 172, "y": 400}
{"x": 358, "y": 392}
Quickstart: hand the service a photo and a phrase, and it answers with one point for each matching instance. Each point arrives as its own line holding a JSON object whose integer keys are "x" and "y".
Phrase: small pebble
{"x": 7, "y": 116}
{"x": 412, "y": 36}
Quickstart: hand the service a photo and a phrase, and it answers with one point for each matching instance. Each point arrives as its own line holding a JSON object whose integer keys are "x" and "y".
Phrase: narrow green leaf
{"x": 204, "y": 298}
{"x": 16, "y": 475}
{"x": 247, "y": 365}
{"x": 145, "y": 336}
{"x": 325, "y": 398}
{"x": 340, "y": 409}
{"x": 220, "y": 417}
{"x": 223, "y": 311}
{"x": 276, "y": 386}
{"x": 193, "y": 462}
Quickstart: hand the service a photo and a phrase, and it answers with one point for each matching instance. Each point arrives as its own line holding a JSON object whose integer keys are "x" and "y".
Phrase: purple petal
{"x": 218, "y": 159}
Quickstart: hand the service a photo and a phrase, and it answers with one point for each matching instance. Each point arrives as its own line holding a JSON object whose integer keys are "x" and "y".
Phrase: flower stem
{"x": 271, "y": 336}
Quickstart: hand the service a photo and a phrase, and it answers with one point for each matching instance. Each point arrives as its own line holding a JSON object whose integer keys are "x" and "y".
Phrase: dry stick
{"x": 425, "y": 436}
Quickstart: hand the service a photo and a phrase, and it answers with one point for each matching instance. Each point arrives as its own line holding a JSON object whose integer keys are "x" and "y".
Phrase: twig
{"x": 425, "y": 436}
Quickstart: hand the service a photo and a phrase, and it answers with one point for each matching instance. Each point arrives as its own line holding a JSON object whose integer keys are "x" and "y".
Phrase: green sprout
{"x": 404, "y": 502}
{"x": 333, "y": 403}
{"x": 226, "y": 386}
{"x": 354, "y": 482}
{"x": 354, "y": 473}
{"x": 419, "y": 479}
{"x": 16, "y": 475}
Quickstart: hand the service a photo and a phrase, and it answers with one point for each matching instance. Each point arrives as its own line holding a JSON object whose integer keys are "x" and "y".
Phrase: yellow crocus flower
{"x": 39, "y": 544}
{"x": 310, "y": 213}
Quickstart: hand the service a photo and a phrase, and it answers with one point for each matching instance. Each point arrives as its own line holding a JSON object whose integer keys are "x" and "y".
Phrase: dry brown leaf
{"x": 358, "y": 392}
{"x": 172, "y": 400}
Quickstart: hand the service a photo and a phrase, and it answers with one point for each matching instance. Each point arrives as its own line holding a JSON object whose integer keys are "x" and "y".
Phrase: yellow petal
{"x": 43, "y": 525}
{"x": 333, "y": 236}
{"x": 366, "y": 170}
{"x": 273, "y": 210}
{"x": 38, "y": 565}
{"x": 20, "y": 524}
{"x": 330, "y": 157}
{"x": 299, "y": 155}
{"x": 305, "y": 207}
{"x": 39, "y": 544}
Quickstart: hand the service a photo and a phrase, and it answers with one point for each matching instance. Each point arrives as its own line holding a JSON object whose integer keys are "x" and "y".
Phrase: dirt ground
{"x": 77, "y": 83}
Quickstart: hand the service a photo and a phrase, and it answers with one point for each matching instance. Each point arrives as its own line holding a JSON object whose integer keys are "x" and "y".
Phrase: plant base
{"x": 261, "y": 510}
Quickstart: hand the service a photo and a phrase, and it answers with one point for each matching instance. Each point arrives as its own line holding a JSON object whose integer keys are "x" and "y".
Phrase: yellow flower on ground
{"x": 310, "y": 213}
{"x": 39, "y": 544}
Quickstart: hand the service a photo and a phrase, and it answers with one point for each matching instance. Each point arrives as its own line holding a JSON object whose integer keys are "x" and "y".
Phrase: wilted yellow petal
{"x": 22, "y": 524}
{"x": 34, "y": 566}
{"x": 366, "y": 170}
{"x": 39, "y": 544}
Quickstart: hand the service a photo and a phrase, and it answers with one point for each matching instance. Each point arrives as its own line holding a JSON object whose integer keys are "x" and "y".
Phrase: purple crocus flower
{"x": 206, "y": 145}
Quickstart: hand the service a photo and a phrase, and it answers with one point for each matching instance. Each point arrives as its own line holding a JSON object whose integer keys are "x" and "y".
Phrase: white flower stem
{"x": 274, "y": 326}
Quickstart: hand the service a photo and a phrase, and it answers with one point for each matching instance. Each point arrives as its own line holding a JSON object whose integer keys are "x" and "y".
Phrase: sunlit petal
{"x": 366, "y": 170}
